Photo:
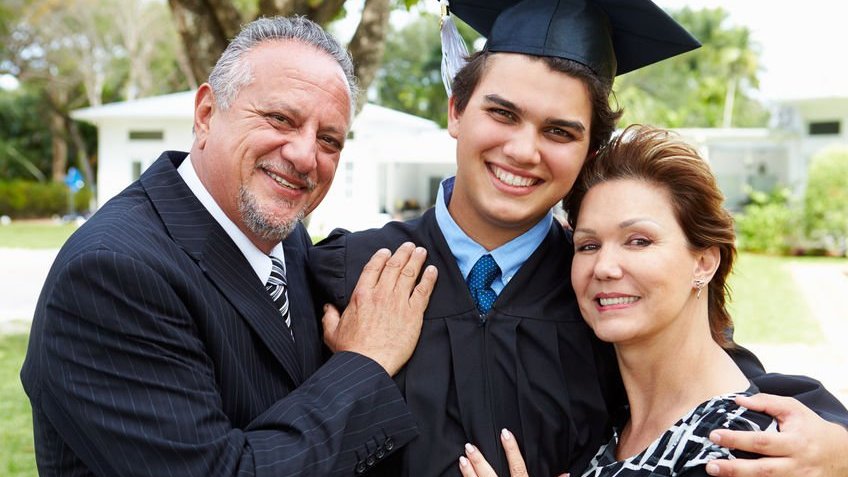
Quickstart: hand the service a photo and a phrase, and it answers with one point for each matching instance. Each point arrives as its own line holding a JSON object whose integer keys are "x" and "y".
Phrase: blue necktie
{"x": 480, "y": 281}
{"x": 278, "y": 290}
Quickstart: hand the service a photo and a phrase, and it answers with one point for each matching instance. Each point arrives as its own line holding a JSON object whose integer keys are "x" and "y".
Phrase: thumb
{"x": 330, "y": 321}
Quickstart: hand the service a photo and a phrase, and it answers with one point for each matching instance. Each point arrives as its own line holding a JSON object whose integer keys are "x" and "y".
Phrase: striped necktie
{"x": 278, "y": 290}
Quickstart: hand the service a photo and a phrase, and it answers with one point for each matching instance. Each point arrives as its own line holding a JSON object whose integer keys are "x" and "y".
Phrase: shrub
{"x": 22, "y": 199}
{"x": 767, "y": 223}
{"x": 826, "y": 198}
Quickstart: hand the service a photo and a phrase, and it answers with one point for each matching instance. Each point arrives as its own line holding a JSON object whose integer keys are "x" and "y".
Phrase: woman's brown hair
{"x": 661, "y": 158}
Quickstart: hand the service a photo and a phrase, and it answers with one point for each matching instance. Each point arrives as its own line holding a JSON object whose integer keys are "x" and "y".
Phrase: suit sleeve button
{"x": 360, "y": 467}
{"x": 389, "y": 444}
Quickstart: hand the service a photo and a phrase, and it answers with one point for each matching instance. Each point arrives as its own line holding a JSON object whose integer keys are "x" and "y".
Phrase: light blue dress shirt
{"x": 509, "y": 256}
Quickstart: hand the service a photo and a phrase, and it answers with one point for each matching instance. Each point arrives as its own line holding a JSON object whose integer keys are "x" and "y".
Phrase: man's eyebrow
{"x": 562, "y": 123}
{"x": 567, "y": 124}
{"x": 493, "y": 98}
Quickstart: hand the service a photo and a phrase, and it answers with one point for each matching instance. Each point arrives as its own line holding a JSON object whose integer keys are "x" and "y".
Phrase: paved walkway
{"x": 22, "y": 274}
{"x": 825, "y": 287}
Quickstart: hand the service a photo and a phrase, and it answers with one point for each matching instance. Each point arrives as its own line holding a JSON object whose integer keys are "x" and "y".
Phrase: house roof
{"x": 181, "y": 106}
{"x": 168, "y": 106}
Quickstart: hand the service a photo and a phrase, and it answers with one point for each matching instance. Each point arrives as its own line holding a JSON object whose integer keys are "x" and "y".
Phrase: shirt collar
{"x": 509, "y": 256}
{"x": 260, "y": 262}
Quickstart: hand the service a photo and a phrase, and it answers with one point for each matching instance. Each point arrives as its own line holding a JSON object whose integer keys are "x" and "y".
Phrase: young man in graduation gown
{"x": 503, "y": 344}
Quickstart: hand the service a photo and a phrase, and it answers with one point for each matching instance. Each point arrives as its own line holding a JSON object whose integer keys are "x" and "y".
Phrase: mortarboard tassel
{"x": 454, "y": 51}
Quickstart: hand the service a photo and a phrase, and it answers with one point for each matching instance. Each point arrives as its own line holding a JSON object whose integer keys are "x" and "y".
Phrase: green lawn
{"x": 17, "y": 457}
{"x": 34, "y": 234}
{"x": 766, "y": 306}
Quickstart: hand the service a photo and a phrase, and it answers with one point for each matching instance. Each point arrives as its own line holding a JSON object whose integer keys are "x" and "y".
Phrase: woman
{"x": 653, "y": 250}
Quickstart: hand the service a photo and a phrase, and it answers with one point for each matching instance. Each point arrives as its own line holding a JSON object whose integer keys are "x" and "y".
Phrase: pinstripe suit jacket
{"x": 155, "y": 351}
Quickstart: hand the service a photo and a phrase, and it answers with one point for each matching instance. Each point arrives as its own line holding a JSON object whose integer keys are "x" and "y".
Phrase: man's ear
{"x": 453, "y": 118}
{"x": 707, "y": 262}
{"x": 204, "y": 109}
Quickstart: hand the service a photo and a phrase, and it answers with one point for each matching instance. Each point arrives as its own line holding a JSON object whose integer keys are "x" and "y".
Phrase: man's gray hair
{"x": 231, "y": 73}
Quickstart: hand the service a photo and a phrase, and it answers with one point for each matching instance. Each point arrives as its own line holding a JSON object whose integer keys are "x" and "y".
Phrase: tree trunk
{"x": 368, "y": 42}
{"x": 83, "y": 159}
{"x": 206, "y": 26}
{"x": 59, "y": 146}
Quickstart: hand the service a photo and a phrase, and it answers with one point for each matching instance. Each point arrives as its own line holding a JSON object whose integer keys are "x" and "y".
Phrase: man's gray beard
{"x": 259, "y": 224}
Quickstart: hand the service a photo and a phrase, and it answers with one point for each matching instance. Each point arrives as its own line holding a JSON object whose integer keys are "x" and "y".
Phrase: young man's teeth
{"x": 280, "y": 180}
{"x": 512, "y": 179}
{"x": 621, "y": 300}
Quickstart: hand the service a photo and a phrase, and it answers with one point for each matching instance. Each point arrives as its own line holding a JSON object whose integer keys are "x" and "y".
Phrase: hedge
{"x": 20, "y": 199}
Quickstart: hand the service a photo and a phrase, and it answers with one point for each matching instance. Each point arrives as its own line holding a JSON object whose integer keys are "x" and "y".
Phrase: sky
{"x": 802, "y": 43}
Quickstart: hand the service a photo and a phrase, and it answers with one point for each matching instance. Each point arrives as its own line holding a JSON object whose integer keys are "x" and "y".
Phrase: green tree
{"x": 24, "y": 142}
{"x": 410, "y": 77}
{"x": 826, "y": 198}
{"x": 768, "y": 223}
{"x": 708, "y": 87}
{"x": 206, "y": 26}
{"x": 76, "y": 53}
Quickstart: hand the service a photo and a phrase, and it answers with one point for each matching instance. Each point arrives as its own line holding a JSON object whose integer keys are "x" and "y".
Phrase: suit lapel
{"x": 197, "y": 232}
{"x": 302, "y": 307}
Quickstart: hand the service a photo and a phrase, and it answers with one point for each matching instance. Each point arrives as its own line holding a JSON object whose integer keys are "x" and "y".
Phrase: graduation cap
{"x": 611, "y": 37}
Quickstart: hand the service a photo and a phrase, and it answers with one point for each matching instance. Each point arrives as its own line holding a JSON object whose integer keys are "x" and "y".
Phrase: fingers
{"x": 473, "y": 464}
{"x": 421, "y": 294}
{"x": 779, "y": 407}
{"x": 513, "y": 455}
{"x": 474, "y": 460}
{"x": 772, "y": 444}
{"x": 409, "y": 273}
{"x": 792, "y": 418}
{"x": 374, "y": 268}
{"x": 396, "y": 264}
{"x": 465, "y": 467}
{"x": 748, "y": 468}
{"x": 330, "y": 322}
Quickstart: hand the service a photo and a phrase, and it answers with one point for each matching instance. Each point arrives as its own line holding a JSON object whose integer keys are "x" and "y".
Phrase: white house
{"x": 394, "y": 161}
{"x": 390, "y": 159}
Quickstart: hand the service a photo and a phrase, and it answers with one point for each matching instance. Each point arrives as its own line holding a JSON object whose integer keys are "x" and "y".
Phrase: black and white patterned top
{"x": 685, "y": 448}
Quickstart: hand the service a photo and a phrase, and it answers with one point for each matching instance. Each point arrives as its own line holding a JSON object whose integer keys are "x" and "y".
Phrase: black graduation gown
{"x": 532, "y": 366}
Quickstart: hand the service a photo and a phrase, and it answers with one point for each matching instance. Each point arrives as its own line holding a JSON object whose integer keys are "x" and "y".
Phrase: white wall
{"x": 116, "y": 152}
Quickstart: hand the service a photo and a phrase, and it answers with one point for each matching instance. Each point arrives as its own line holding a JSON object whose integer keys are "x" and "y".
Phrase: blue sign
{"x": 74, "y": 179}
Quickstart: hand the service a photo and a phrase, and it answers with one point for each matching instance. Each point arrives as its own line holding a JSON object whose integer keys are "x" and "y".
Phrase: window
{"x": 146, "y": 135}
{"x": 822, "y": 128}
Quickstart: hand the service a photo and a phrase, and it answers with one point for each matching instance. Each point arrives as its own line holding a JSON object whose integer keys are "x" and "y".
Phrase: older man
{"x": 176, "y": 334}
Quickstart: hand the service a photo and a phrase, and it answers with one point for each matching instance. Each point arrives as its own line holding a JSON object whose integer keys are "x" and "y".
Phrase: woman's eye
{"x": 587, "y": 247}
{"x": 639, "y": 242}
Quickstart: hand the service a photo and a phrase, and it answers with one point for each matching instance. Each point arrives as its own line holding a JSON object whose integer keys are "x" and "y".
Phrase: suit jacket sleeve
{"x": 328, "y": 267}
{"x": 805, "y": 389}
{"x": 126, "y": 373}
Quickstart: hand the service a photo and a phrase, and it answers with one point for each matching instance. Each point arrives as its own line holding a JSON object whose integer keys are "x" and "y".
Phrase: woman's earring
{"x": 699, "y": 284}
